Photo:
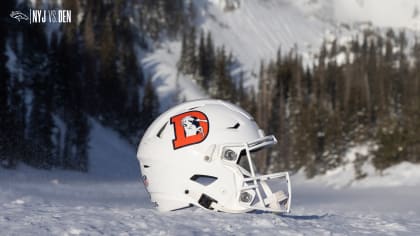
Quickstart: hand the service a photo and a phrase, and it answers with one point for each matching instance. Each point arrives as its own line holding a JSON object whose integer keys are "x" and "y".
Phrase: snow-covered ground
{"x": 76, "y": 207}
{"x": 111, "y": 200}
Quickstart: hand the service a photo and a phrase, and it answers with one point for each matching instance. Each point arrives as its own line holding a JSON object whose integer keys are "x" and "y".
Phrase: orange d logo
{"x": 190, "y": 128}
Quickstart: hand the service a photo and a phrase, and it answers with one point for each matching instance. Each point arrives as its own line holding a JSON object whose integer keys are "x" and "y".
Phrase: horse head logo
{"x": 190, "y": 128}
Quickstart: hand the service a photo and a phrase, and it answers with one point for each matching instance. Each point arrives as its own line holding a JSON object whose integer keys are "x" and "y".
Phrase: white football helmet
{"x": 200, "y": 153}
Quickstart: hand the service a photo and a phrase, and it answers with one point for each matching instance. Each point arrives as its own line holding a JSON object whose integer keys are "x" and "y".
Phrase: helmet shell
{"x": 185, "y": 143}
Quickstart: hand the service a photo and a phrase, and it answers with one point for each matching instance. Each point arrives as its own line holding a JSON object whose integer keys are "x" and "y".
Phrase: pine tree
{"x": 131, "y": 75}
{"x": 223, "y": 87}
{"x": 210, "y": 61}
{"x": 5, "y": 113}
{"x": 182, "y": 63}
{"x": 111, "y": 106}
{"x": 175, "y": 17}
{"x": 8, "y": 157}
{"x": 191, "y": 59}
{"x": 90, "y": 85}
{"x": 202, "y": 60}
{"x": 192, "y": 14}
{"x": 76, "y": 142}
{"x": 150, "y": 105}
{"x": 18, "y": 125}
{"x": 41, "y": 124}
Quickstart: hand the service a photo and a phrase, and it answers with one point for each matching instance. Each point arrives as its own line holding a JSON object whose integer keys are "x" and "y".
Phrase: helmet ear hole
{"x": 204, "y": 180}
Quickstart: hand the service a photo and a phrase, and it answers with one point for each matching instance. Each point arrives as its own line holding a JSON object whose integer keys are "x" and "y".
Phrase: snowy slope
{"x": 257, "y": 29}
{"x": 160, "y": 66}
{"x": 252, "y": 32}
{"x": 389, "y": 13}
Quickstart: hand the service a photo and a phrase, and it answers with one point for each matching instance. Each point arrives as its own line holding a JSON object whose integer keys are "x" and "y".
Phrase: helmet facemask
{"x": 256, "y": 191}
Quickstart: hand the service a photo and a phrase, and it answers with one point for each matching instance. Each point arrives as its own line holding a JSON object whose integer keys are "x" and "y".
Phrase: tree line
{"x": 53, "y": 83}
{"x": 56, "y": 79}
{"x": 319, "y": 111}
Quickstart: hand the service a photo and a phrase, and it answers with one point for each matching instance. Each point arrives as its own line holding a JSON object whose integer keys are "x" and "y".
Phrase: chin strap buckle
{"x": 206, "y": 201}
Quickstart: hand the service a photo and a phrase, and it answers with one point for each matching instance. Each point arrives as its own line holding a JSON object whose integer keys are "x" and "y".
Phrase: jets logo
{"x": 190, "y": 128}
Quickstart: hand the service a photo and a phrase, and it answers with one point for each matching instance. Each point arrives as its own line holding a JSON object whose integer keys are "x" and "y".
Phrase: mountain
{"x": 255, "y": 30}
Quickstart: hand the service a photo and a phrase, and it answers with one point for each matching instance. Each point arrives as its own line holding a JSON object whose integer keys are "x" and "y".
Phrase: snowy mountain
{"x": 392, "y": 13}
{"x": 252, "y": 31}
{"x": 255, "y": 30}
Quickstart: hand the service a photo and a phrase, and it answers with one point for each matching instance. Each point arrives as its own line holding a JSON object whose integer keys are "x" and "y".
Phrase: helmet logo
{"x": 190, "y": 128}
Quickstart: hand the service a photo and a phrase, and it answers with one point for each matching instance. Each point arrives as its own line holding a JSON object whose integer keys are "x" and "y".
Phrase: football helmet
{"x": 201, "y": 153}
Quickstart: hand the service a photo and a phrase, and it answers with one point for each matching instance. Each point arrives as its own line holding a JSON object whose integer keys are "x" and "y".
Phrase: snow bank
{"x": 110, "y": 156}
{"x": 402, "y": 174}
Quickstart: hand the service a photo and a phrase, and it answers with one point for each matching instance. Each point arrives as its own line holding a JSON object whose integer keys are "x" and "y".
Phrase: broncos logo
{"x": 190, "y": 128}
{"x": 18, "y": 15}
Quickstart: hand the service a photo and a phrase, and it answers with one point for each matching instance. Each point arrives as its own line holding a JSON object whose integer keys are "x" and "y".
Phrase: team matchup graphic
{"x": 190, "y": 128}
{"x": 37, "y": 16}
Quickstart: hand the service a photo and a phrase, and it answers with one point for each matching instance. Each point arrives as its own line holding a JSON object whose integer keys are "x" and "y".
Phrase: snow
{"x": 111, "y": 200}
{"x": 113, "y": 158}
{"x": 257, "y": 29}
{"x": 402, "y": 174}
{"x": 390, "y": 13}
{"x": 405, "y": 173}
{"x": 254, "y": 31}
{"x": 170, "y": 86}
{"x": 95, "y": 207}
